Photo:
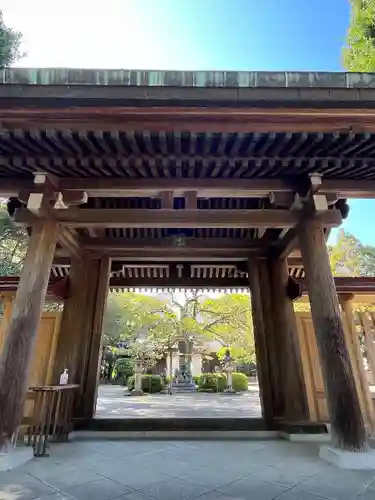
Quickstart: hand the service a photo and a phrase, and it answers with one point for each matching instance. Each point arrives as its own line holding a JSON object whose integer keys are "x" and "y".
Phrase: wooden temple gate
{"x": 180, "y": 171}
{"x": 42, "y": 370}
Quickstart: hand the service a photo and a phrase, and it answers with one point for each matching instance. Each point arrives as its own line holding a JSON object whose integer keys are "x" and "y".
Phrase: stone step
{"x": 183, "y": 387}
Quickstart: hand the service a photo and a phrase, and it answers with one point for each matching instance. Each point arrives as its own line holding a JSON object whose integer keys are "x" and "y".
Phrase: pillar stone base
{"x": 229, "y": 391}
{"x": 137, "y": 392}
{"x": 354, "y": 460}
{"x": 15, "y": 457}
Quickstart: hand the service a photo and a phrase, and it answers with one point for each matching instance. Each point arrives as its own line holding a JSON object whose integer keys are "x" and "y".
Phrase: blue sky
{"x": 189, "y": 34}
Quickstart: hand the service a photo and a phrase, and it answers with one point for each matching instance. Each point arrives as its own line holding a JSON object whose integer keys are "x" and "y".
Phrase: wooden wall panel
{"x": 44, "y": 350}
{"x": 368, "y": 324}
{"x": 315, "y": 390}
{"x": 312, "y": 371}
{"x": 7, "y": 299}
{"x": 40, "y": 371}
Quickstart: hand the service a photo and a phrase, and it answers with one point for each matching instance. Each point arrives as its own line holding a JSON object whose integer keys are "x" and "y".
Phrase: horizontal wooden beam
{"x": 174, "y": 282}
{"x": 226, "y": 244}
{"x": 196, "y": 119}
{"x": 205, "y": 188}
{"x": 145, "y": 249}
{"x": 164, "y": 218}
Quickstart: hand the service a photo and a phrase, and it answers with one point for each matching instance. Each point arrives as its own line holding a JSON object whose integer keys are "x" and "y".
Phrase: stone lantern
{"x": 228, "y": 368}
{"x": 138, "y": 372}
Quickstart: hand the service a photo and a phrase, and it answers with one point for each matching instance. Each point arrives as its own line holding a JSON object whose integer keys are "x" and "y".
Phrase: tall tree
{"x": 349, "y": 257}
{"x": 181, "y": 316}
{"x": 128, "y": 314}
{"x": 10, "y": 44}
{"x": 346, "y": 255}
{"x": 368, "y": 260}
{"x": 228, "y": 319}
{"x": 359, "y": 55}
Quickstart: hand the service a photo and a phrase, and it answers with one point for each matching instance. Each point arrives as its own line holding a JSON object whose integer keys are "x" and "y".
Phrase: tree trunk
{"x": 347, "y": 426}
{"x": 23, "y": 326}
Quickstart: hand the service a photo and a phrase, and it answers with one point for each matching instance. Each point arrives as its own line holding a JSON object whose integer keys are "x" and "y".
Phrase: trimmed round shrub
{"x": 212, "y": 382}
{"x": 240, "y": 382}
{"x": 124, "y": 368}
{"x": 196, "y": 379}
{"x": 150, "y": 383}
{"x": 217, "y": 382}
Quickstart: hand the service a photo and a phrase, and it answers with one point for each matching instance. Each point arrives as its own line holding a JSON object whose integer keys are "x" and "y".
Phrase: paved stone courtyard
{"x": 182, "y": 470}
{"x": 112, "y": 403}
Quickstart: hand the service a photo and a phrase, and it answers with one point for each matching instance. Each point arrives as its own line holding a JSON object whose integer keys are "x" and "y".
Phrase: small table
{"x": 52, "y": 416}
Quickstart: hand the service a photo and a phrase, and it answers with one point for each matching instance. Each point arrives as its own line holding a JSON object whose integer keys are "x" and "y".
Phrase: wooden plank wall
{"x": 315, "y": 394}
{"x": 314, "y": 383}
{"x": 41, "y": 368}
{"x": 367, "y": 320}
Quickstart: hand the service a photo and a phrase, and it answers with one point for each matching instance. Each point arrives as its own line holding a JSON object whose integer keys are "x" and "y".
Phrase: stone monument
{"x": 183, "y": 380}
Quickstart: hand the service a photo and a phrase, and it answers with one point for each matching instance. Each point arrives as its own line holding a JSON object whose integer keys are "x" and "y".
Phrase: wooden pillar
{"x": 79, "y": 341}
{"x": 360, "y": 377}
{"x": 268, "y": 359}
{"x": 23, "y": 325}
{"x": 94, "y": 353}
{"x": 74, "y": 320}
{"x": 286, "y": 338}
{"x": 347, "y": 426}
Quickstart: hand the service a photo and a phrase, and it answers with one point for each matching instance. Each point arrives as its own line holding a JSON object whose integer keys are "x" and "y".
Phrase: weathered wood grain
{"x": 347, "y": 426}
{"x": 23, "y": 326}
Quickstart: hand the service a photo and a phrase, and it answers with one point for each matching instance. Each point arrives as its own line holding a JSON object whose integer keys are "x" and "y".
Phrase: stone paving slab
{"x": 113, "y": 404}
{"x": 181, "y": 470}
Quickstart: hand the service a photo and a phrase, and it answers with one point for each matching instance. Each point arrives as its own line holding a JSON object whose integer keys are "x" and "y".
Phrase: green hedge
{"x": 150, "y": 383}
{"x": 217, "y": 382}
{"x": 240, "y": 382}
{"x": 212, "y": 382}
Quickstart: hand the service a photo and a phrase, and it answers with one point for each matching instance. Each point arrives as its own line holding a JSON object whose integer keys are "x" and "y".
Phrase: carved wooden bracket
{"x": 294, "y": 289}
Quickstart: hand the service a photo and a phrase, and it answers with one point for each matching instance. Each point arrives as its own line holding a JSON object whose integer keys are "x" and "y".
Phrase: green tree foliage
{"x": 228, "y": 319}
{"x": 10, "y": 43}
{"x": 13, "y": 245}
{"x": 359, "y": 55}
{"x": 350, "y": 258}
{"x": 154, "y": 326}
{"x": 129, "y": 313}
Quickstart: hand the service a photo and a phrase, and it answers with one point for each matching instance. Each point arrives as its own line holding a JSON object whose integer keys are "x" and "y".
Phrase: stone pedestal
{"x": 353, "y": 460}
{"x": 184, "y": 381}
{"x": 15, "y": 457}
{"x": 138, "y": 372}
